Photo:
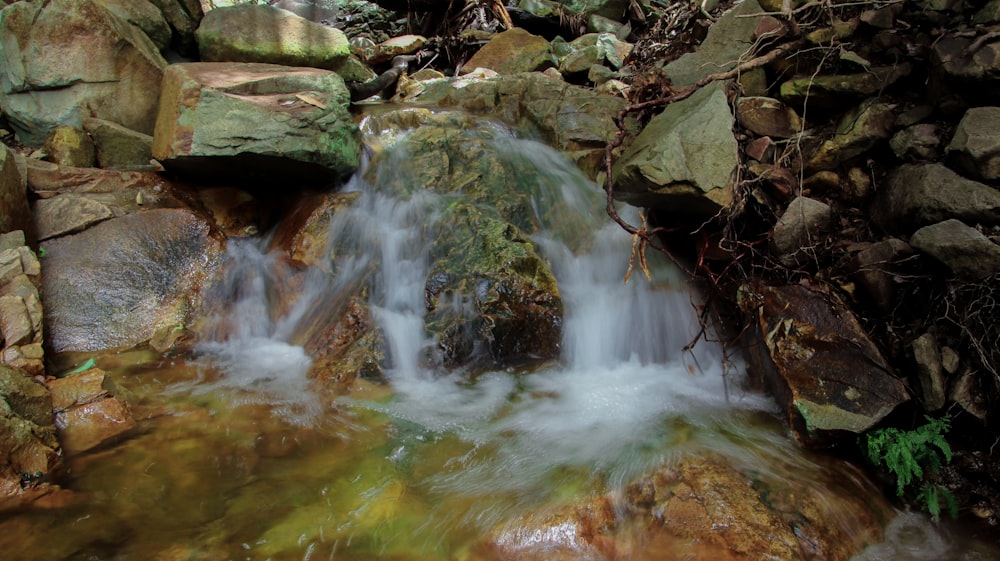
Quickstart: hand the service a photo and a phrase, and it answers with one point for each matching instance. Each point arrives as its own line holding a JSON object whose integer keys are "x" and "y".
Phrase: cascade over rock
{"x": 65, "y": 60}
{"x": 256, "y": 121}
{"x": 144, "y": 287}
{"x": 818, "y": 361}
{"x": 576, "y": 120}
{"x": 261, "y": 33}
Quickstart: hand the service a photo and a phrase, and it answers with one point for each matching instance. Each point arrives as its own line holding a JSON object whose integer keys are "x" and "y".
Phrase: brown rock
{"x": 78, "y": 389}
{"x": 15, "y": 213}
{"x": 929, "y": 372}
{"x": 68, "y": 214}
{"x": 768, "y": 117}
{"x": 827, "y": 374}
{"x": 87, "y": 426}
{"x": 402, "y": 45}
{"x": 799, "y": 231}
{"x": 875, "y": 269}
{"x": 304, "y": 234}
{"x": 15, "y": 324}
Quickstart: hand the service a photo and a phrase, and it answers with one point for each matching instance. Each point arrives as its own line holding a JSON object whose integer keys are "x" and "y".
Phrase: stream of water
{"x": 239, "y": 458}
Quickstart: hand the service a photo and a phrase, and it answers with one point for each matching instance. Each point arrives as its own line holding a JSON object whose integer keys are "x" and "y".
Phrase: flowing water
{"x": 239, "y": 457}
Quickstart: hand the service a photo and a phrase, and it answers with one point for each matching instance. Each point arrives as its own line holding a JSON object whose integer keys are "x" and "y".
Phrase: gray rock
{"x": 67, "y": 214}
{"x": 256, "y": 121}
{"x": 918, "y": 142}
{"x": 64, "y": 60}
{"x": 117, "y": 146}
{"x": 975, "y": 148}
{"x": 955, "y": 64}
{"x": 725, "y": 44}
{"x": 117, "y": 284}
{"x": 798, "y": 231}
{"x": 183, "y": 16}
{"x": 260, "y": 33}
{"x": 143, "y": 15}
{"x": 965, "y": 250}
{"x": 929, "y": 372}
{"x": 668, "y": 167}
{"x": 917, "y": 195}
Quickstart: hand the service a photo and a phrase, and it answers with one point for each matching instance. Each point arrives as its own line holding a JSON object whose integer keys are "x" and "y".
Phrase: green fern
{"x": 912, "y": 457}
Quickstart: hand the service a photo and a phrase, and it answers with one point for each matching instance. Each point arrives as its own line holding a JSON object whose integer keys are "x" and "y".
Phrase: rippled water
{"x": 238, "y": 457}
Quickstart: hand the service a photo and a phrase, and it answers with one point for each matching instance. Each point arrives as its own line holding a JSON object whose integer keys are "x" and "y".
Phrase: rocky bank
{"x": 828, "y": 173}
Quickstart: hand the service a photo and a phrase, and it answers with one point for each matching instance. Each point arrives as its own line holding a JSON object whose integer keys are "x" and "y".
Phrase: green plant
{"x": 913, "y": 457}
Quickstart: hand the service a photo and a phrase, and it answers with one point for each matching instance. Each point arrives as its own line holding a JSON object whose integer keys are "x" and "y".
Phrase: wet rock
{"x": 86, "y": 414}
{"x": 975, "y": 147}
{"x": 798, "y": 233}
{"x": 257, "y": 121}
{"x": 183, "y": 16}
{"x": 667, "y": 167}
{"x": 28, "y": 447}
{"x": 116, "y": 284}
{"x": 69, "y": 146}
{"x": 703, "y": 507}
{"x": 922, "y": 194}
{"x": 303, "y": 235}
{"x": 929, "y": 372}
{"x": 841, "y": 90}
{"x": 260, "y": 33}
{"x": 859, "y": 131}
{"x": 489, "y": 290}
{"x": 233, "y": 210}
{"x": 827, "y": 374}
{"x": 14, "y": 211}
{"x": 876, "y": 267}
{"x": 767, "y": 117}
{"x": 724, "y": 45}
{"x": 963, "y": 249}
{"x": 67, "y": 214}
{"x": 511, "y": 52}
{"x": 572, "y": 119}
{"x": 118, "y": 147}
{"x": 70, "y": 59}
{"x": 918, "y": 142}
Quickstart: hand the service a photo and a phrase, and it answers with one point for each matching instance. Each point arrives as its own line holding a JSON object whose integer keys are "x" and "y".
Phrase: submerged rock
{"x": 810, "y": 349}
{"x": 126, "y": 280}
{"x": 702, "y": 508}
{"x": 256, "y": 121}
{"x": 86, "y": 413}
{"x": 28, "y": 446}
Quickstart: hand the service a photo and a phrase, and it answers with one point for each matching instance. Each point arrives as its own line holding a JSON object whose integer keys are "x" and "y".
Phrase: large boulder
{"x": 667, "y": 167}
{"x": 183, "y": 16}
{"x": 65, "y": 60}
{"x": 489, "y": 295}
{"x": 260, "y": 33}
{"x": 257, "y": 121}
{"x": 144, "y": 15}
{"x": 810, "y": 349}
{"x": 918, "y": 195}
{"x": 127, "y": 280}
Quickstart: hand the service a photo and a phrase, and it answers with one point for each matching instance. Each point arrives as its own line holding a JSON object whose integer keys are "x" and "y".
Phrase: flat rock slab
{"x": 120, "y": 283}
{"x": 826, "y": 373}
{"x": 257, "y": 121}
